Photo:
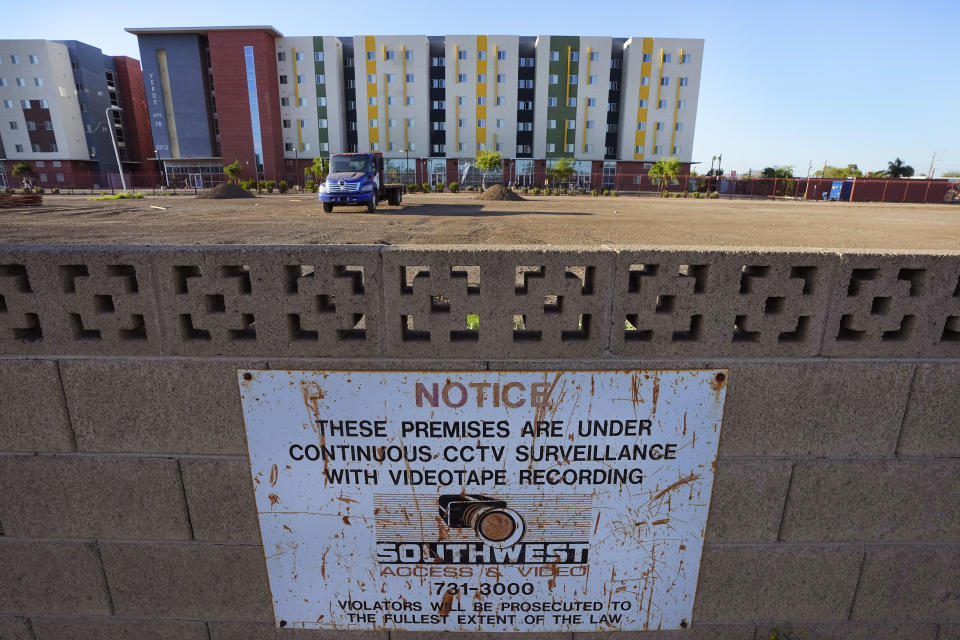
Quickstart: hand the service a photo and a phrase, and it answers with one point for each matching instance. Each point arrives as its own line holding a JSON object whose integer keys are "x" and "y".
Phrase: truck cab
{"x": 357, "y": 179}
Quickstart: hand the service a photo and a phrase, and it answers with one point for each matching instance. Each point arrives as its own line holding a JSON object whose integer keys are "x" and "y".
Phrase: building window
{"x": 659, "y": 126}
{"x": 390, "y": 100}
{"x": 438, "y": 62}
{"x": 302, "y": 123}
{"x": 351, "y": 126}
{"x": 554, "y": 78}
{"x": 481, "y": 55}
{"x": 60, "y": 177}
{"x": 589, "y": 124}
{"x": 666, "y": 57}
{"x": 679, "y": 126}
{"x": 501, "y": 55}
{"x": 322, "y": 123}
{"x": 571, "y": 79}
{"x": 351, "y": 105}
{"x": 591, "y": 102}
{"x": 392, "y": 146}
{"x": 371, "y": 78}
{"x": 284, "y": 102}
{"x": 571, "y": 124}
{"x": 318, "y": 56}
{"x": 371, "y": 55}
{"x": 31, "y": 125}
{"x": 411, "y": 122}
{"x": 657, "y": 149}
{"x": 283, "y": 79}
{"x": 22, "y": 83}
{"x": 374, "y": 146}
{"x": 615, "y": 63}
{"x": 350, "y": 84}
{"x": 439, "y": 126}
{"x": 321, "y": 101}
{"x": 644, "y": 81}
{"x": 43, "y": 177}
{"x": 612, "y": 127}
{"x": 40, "y": 164}
{"x": 614, "y": 85}
{"x": 588, "y": 148}
{"x": 301, "y": 102}
{"x": 299, "y": 56}
{"x": 481, "y": 146}
{"x": 612, "y": 106}
{"x": 409, "y": 77}
{"x": 324, "y": 146}
{"x": 681, "y": 104}
{"x": 638, "y": 150}
{"x": 288, "y": 146}
{"x": 647, "y": 57}
{"x": 683, "y": 82}
{"x": 439, "y": 148}
{"x": 439, "y": 104}
{"x": 501, "y": 78}
{"x": 321, "y": 78}
{"x": 25, "y": 104}
{"x": 299, "y": 79}
{"x": 412, "y": 146}
{"x": 281, "y": 56}
{"x": 388, "y": 55}
{"x": 8, "y": 104}
{"x": 57, "y": 164}
{"x": 574, "y": 56}
{"x": 551, "y": 124}
{"x": 408, "y": 54}
{"x": 13, "y": 125}
{"x": 551, "y": 147}
{"x": 15, "y": 59}
{"x": 373, "y": 123}
{"x": 19, "y": 148}
{"x": 460, "y": 100}
{"x": 526, "y": 84}
{"x": 461, "y": 77}
{"x": 501, "y": 101}
{"x": 568, "y": 148}
{"x": 498, "y": 147}
{"x": 685, "y": 58}
{"x": 642, "y": 104}
{"x": 348, "y": 64}
{"x": 641, "y": 126}
{"x": 551, "y": 102}
{"x": 482, "y": 100}
{"x": 34, "y": 60}
{"x": 571, "y": 102}
{"x": 305, "y": 146}
{"x": 591, "y": 79}
{"x": 525, "y": 148}
{"x": 525, "y": 105}
{"x": 36, "y": 148}
{"x": 3, "y": 82}
{"x": 499, "y": 123}
{"x": 481, "y": 77}
{"x": 459, "y": 146}
{"x": 481, "y": 123}
{"x": 372, "y": 101}
{"x": 554, "y": 56}
{"x": 527, "y": 62}
{"x": 676, "y": 151}
{"x": 391, "y": 77}
{"x": 286, "y": 124}
{"x": 661, "y": 104}
{"x": 438, "y": 83}
{"x": 461, "y": 55}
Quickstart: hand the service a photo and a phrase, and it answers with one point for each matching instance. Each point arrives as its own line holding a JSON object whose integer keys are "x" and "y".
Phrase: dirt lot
{"x": 461, "y": 219}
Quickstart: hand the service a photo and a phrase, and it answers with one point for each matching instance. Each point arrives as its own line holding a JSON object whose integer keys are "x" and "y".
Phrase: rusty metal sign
{"x": 488, "y": 500}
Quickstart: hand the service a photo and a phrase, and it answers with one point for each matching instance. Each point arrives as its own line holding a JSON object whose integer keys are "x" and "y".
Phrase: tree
{"x": 562, "y": 170}
{"x": 233, "y": 171}
{"x": 488, "y": 161}
{"x": 22, "y": 170}
{"x": 878, "y": 174}
{"x": 320, "y": 168}
{"x": 664, "y": 170}
{"x": 850, "y": 171}
{"x": 950, "y": 174}
{"x": 897, "y": 169}
{"x": 778, "y": 172}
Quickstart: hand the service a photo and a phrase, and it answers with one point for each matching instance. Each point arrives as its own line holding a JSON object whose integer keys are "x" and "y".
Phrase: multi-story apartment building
{"x": 428, "y": 103}
{"x": 55, "y": 114}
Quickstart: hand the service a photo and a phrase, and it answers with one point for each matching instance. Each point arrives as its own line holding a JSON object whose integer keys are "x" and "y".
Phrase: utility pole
{"x": 806, "y": 185}
{"x": 930, "y": 170}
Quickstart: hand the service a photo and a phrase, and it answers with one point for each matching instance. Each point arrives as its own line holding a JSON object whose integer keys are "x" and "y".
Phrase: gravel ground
{"x": 462, "y": 219}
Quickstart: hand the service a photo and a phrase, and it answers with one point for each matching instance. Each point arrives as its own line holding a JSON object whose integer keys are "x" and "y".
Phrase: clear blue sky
{"x": 783, "y": 83}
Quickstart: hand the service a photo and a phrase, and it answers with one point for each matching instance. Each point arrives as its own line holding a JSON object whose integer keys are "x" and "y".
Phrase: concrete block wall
{"x": 125, "y": 502}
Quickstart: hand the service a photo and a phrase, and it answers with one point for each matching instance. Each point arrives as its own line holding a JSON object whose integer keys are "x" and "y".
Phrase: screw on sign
{"x": 492, "y": 500}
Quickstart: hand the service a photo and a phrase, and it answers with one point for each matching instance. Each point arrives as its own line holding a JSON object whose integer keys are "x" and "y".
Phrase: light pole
{"x": 113, "y": 139}
{"x": 406, "y": 166}
{"x": 166, "y": 182}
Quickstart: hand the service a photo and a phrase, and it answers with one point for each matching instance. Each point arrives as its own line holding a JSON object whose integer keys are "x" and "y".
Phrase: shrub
{"x": 310, "y": 186}
{"x": 124, "y": 195}
{"x": 438, "y": 187}
{"x": 525, "y": 190}
{"x": 247, "y": 185}
{"x": 454, "y": 187}
{"x": 26, "y": 190}
{"x": 696, "y": 194}
{"x": 283, "y": 186}
{"x": 714, "y": 194}
{"x": 261, "y": 184}
{"x": 606, "y": 192}
{"x": 426, "y": 187}
{"x": 38, "y": 190}
{"x": 270, "y": 185}
{"x": 9, "y": 191}
{"x": 536, "y": 191}
{"x": 55, "y": 190}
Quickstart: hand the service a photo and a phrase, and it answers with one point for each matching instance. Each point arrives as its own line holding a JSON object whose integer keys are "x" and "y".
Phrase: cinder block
{"x": 946, "y": 327}
{"x": 475, "y": 635}
{"x": 949, "y": 632}
{"x": 87, "y": 497}
{"x": 780, "y": 582}
{"x": 689, "y": 303}
{"x": 188, "y": 580}
{"x": 33, "y": 413}
{"x": 12, "y": 628}
{"x": 875, "y": 500}
{"x": 220, "y": 497}
{"x": 696, "y": 631}
{"x": 268, "y": 631}
{"x": 910, "y": 583}
{"x": 814, "y": 409}
{"x": 78, "y": 300}
{"x": 931, "y": 425}
{"x": 114, "y": 629}
{"x": 309, "y": 301}
{"x": 58, "y": 578}
{"x": 747, "y": 501}
{"x": 165, "y": 406}
{"x": 860, "y": 630}
{"x": 889, "y": 305}
{"x": 530, "y": 303}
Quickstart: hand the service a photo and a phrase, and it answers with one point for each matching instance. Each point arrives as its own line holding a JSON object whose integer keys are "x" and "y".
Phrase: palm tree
{"x": 233, "y": 170}
{"x": 897, "y": 169}
{"x": 22, "y": 170}
{"x": 488, "y": 161}
{"x": 562, "y": 171}
{"x": 663, "y": 170}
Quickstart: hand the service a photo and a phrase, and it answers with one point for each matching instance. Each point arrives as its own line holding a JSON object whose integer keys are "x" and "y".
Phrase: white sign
{"x": 483, "y": 501}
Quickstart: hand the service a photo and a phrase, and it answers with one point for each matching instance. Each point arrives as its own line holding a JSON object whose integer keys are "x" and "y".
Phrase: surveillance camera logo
{"x": 494, "y": 523}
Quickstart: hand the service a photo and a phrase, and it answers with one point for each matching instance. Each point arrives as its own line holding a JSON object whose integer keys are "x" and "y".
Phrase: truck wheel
{"x": 327, "y": 207}
{"x": 372, "y": 205}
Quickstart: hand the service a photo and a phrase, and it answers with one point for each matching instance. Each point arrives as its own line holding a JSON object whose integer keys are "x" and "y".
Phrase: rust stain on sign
{"x": 676, "y": 485}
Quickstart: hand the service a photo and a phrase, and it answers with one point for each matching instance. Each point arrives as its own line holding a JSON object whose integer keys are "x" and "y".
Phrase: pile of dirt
{"x": 226, "y": 191}
{"x": 498, "y": 192}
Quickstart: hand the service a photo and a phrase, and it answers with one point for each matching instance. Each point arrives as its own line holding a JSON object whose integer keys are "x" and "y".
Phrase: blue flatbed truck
{"x": 357, "y": 179}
